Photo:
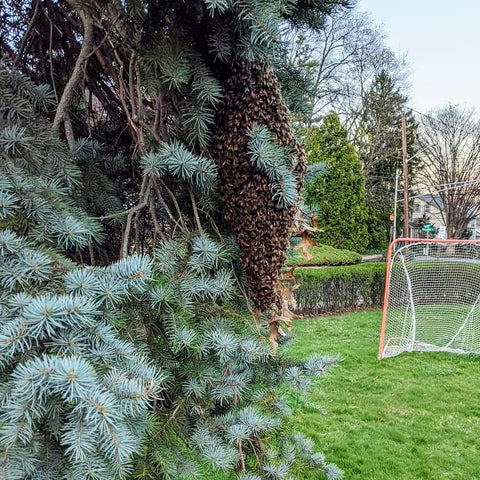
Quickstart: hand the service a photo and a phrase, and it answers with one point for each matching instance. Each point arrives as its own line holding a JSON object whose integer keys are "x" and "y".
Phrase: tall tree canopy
{"x": 380, "y": 150}
{"x": 154, "y": 361}
{"x": 450, "y": 146}
{"x": 341, "y": 61}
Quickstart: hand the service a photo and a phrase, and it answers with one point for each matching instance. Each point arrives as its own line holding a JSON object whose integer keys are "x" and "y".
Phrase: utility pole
{"x": 406, "y": 214}
{"x": 397, "y": 175}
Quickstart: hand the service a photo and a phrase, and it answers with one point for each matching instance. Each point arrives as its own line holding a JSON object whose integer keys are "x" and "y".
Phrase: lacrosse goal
{"x": 432, "y": 297}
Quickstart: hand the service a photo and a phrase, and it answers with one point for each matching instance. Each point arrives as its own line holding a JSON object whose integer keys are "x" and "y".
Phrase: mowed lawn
{"x": 415, "y": 416}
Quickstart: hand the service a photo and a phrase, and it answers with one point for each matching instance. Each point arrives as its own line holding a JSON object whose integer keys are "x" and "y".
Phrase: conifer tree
{"x": 75, "y": 394}
{"x": 380, "y": 151}
{"x": 63, "y": 340}
{"x": 338, "y": 194}
{"x": 151, "y": 83}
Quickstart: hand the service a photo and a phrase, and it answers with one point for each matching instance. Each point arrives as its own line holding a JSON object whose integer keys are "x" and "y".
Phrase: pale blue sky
{"x": 442, "y": 39}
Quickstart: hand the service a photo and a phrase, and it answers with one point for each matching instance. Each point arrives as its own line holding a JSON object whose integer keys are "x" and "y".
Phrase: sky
{"x": 442, "y": 40}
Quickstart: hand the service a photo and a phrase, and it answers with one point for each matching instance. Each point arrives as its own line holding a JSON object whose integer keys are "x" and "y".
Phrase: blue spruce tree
{"x": 138, "y": 331}
{"x": 75, "y": 394}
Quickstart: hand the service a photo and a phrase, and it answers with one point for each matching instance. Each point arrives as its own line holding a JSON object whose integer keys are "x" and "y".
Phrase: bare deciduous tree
{"x": 342, "y": 60}
{"x": 450, "y": 141}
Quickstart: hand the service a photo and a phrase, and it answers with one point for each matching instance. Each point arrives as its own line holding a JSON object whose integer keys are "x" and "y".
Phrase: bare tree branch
{"x": 26, "y": 35}
{"x": 80, "y": 64}
{"x": 450, "y": 139}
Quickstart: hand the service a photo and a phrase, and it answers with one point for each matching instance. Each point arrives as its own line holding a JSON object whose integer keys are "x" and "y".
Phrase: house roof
{"x": 434, "y": 200}
{"x": 437, "y": 202}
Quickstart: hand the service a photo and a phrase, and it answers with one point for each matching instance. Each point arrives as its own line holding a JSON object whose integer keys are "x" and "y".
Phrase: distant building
{"x": 474, "y": 226}
{"x": 428, "y": 207}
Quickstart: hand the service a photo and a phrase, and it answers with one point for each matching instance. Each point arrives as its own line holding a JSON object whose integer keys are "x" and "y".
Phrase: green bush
{"x": 325, "y": 255}
{"x": 338, "y": 194}
{"x": 335, "y": 289}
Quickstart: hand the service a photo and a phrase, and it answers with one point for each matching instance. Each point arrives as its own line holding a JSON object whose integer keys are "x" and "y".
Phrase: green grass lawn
{"x": 415, "y": 416}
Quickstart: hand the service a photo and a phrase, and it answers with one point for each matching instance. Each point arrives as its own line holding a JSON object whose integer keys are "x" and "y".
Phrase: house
{"x": 474, "y": 227}
{"x": 428, "y": 207}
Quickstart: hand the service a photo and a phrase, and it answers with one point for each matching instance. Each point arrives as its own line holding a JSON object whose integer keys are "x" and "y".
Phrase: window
{"x": 416, "y": 207}
{"x": 427, "y": 208}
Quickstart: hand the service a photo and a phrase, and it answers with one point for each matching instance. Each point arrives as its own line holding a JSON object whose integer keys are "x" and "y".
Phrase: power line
{"x": 449, "y": 186}
{"x": 426, "y": 115}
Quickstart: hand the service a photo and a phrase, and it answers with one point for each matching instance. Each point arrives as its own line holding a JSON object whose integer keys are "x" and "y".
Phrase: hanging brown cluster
{"x": 263, "y": 229}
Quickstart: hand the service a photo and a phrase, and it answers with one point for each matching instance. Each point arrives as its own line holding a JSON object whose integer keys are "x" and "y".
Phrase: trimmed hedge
{"x": 337, "y": 289}
{"x": 430, "y": 291}
{"x": 325, "y": 255}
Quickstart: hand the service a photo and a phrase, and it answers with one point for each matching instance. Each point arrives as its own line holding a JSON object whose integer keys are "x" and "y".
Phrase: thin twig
{"x": 143, "y": 202}
{"x": 106, "y": 36}
{"x": 155, "y": 223}
{"x": 92, "y": 256}
{"x": 50, "y": 59}
{"x": 240, "y": 454}
{"x": 21, "y": 48}
{"x": 131, "y": 87}
{"x": 121, "y": 91}
{"x": 162, "y": 201}
{"x": 195, "y": 210}
{"x": 175, "y": 203}
{"x": 120, "y": 214}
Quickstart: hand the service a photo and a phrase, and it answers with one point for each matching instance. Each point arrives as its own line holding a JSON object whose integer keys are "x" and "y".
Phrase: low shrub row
{"x": 324, "y": 255}
{"x": 437, "y": 281}
{"x": 335, "y": 289}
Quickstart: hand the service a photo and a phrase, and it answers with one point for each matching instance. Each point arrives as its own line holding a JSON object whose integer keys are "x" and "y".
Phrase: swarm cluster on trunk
{"x": 263, "y": 229}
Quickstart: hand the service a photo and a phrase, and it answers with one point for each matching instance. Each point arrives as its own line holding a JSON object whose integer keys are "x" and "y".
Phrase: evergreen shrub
{"x": 337, "y": 289}
{"x": 324, "y": 255}
{"x": 338, "y": 193}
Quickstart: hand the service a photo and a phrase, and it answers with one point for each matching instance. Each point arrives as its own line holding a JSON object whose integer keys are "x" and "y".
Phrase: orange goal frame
{"x": 391, "y": 249}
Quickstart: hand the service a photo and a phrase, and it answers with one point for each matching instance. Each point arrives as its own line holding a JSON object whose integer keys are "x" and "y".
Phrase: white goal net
{"x": 432, "y": 297}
